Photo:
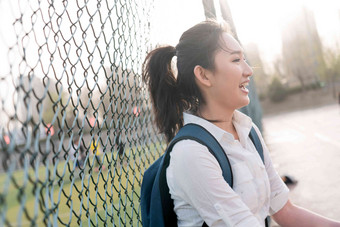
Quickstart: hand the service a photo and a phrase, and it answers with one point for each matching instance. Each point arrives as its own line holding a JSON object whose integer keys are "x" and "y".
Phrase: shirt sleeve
{"x": 279, "y": 191}
{"x": 197, "y": 178}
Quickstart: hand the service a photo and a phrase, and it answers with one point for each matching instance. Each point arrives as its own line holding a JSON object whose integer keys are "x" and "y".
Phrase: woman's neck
{"x": 222, "y": 119}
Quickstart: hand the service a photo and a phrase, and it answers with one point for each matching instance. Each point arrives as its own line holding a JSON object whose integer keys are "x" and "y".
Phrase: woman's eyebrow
{"x": 236, "y": 52}
{"x": 231, "y": 51}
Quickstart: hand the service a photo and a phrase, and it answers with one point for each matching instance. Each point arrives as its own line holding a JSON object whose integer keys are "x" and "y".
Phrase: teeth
{"x": 244, "y": 85}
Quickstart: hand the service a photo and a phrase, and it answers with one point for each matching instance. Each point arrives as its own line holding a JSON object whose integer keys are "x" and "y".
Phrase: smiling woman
{"x": 210, "y": 85}
{"x": 225, "y": 85}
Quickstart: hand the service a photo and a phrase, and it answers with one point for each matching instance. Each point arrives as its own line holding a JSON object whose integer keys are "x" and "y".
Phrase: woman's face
{"x": 231, "y": 75}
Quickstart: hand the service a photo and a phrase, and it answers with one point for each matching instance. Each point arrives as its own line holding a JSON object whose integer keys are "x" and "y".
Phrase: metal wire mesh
{"x": 75, "y": 121}
{"x": 76, "y": 132}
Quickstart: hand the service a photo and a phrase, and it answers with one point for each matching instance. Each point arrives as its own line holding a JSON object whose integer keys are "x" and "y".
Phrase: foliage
{"x": 298, "y": 89}
{"x": 332, "y": 56}
{"x": 276, "y": 91}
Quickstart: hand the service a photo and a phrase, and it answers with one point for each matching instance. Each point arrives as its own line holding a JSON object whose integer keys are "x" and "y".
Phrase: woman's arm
{"x": 291, "y": 215}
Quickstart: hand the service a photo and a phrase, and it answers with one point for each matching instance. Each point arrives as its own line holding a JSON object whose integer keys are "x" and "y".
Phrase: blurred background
{"x": 76, "y": 131}
{"x": 292, "y": 45}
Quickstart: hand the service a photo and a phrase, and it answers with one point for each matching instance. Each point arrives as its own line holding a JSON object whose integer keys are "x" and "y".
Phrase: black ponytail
{"x": 171, "y": 95}
{"x": 159, "y": 76}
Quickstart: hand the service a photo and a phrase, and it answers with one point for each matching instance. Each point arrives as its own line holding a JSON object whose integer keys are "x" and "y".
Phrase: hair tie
{"x": 175, "y": 52}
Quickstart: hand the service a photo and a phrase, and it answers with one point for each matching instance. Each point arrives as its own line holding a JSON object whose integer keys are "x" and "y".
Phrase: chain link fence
{"x": 76, "y": 132}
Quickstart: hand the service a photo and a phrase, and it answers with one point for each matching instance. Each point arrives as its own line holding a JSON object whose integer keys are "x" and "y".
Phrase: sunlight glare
{"x": 262, "y": 21}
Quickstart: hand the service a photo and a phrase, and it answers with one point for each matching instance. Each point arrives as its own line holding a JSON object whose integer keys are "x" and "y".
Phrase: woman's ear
{"x": 202, "y": 76}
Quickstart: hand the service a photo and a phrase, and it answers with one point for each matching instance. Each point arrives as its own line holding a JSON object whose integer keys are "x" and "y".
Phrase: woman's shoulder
{"x": 189, "y": 145}
{"x": 190, "y": 150}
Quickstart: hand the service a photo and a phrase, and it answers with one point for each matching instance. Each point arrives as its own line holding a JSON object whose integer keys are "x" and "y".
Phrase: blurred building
{"x": 302, "y": 51}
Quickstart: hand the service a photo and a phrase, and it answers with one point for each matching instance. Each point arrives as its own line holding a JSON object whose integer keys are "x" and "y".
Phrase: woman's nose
{"x": 248, "y": 71}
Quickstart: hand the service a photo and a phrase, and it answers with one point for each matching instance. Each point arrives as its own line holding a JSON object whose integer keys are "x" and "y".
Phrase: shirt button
{"x": 218, "y": 207}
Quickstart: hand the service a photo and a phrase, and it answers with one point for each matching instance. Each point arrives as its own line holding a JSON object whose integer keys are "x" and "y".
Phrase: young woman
{"x": 207, "y": 88}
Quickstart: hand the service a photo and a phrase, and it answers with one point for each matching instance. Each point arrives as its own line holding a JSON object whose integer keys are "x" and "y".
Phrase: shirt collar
{"x": 242, "y": 123}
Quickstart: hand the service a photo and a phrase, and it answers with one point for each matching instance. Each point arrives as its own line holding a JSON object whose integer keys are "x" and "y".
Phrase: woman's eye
{"x": 237, "y": 60}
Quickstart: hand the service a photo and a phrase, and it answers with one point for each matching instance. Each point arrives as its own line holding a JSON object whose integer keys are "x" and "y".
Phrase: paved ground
{"x": 306, "y": 145}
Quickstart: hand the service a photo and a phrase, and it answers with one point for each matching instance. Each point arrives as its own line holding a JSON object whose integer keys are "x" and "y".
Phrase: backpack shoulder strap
{"x": 201, "y": 135}
{"x": 256, "y": 141}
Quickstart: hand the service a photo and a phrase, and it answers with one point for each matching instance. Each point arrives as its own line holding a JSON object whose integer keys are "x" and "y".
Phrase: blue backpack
{"x": 157, "y": 207}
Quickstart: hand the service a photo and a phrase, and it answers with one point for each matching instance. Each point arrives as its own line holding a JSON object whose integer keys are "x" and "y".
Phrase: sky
{"x": 261, "y": 22}
{"x": 256, "y": 21}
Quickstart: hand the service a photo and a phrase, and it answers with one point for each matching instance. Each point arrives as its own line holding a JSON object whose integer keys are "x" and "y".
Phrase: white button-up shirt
{"x": 200, "y": 192}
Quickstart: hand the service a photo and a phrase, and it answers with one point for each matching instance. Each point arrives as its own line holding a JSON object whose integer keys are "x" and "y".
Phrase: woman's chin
{"x": 245, "y": 103}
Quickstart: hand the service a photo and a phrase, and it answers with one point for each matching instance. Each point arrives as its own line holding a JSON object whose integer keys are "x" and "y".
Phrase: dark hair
{"x": 171, "y": 94}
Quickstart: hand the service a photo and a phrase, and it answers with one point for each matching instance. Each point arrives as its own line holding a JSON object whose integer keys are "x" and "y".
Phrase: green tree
{"x": 332, "y": 57}
{"x": 276, "y": 90}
